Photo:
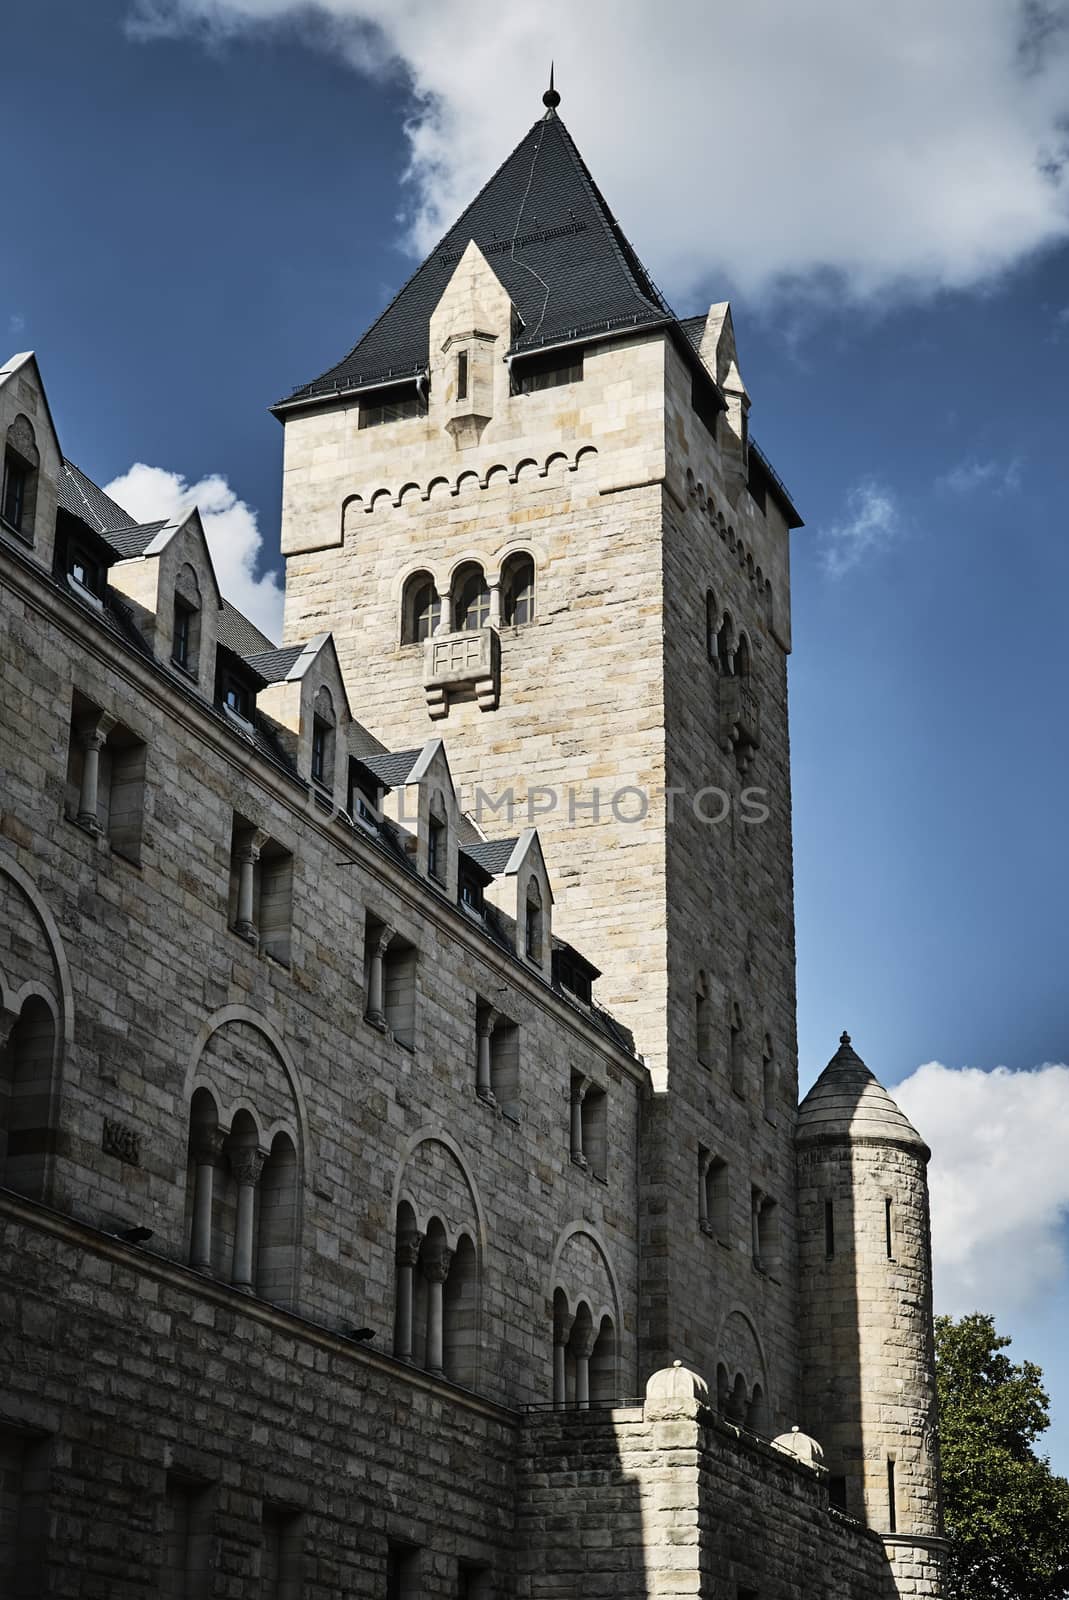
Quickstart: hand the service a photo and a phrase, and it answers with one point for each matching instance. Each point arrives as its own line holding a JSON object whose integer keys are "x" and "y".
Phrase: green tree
{"x": 1007, "y": 1513}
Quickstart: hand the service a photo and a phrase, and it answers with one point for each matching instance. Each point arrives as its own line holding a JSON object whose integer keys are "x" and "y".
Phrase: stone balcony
{"x": 466, "y": 664}
{"x": 740, "y": 719}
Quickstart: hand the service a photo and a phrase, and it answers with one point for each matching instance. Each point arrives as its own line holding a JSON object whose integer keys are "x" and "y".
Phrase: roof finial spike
{"x": 551, "y": 99}
{"x": 844, "y": 1037}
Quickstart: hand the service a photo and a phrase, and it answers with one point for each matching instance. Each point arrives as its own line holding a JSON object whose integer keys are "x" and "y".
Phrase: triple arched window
{"x": 474, "y": 600}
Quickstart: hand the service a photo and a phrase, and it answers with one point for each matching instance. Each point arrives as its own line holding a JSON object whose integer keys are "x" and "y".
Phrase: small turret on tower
{"x": 868, "y": 1361}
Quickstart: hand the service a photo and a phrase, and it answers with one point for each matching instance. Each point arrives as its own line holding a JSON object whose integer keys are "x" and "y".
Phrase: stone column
{"x": 376, "y": 993}
{"x": 483, "y": 1083}
{"x": 578, "y": 1095}
{"x": 248, "y": 854}
{"x": 436, "y": 1271}
{"x": 92, "y": 737}
{"x": 562, "y": 1327}
{"x": 207, "y": 1153}
{"x": 445, "y": 625}
{"x": 246, "y": 1164}
{"x": 408, "y": 1243}
{"x": 494, "y": 586}
{"x": 582, "y": 1349}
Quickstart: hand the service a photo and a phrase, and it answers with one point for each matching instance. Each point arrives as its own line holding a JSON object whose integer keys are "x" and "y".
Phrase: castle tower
{"x": 527, "y": 507}
{"x": 868, "y": 1362}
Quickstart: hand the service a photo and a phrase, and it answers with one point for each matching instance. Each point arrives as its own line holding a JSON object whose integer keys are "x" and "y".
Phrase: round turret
{"x": 868, "y": 1364}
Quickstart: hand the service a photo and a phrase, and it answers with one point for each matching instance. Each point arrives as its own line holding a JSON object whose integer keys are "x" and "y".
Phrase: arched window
{"x": 461, "y": 1315}
{"x": 725, "y": 646}
{"x": 712, "y": 622}
{"x": 276, "y": 1244}
{"x": 603, "y": 1365}
{"x": 517, "y": 591}
{"x": 421, "y": 609}
{"x": 533, "y": 921}
{"x": 25, "y": 1098}
{"x": 757, "y": 1411}
{"x": 743, "y": 657}
{"x": 185, "y": 629}
{"x": 471, "y": 604}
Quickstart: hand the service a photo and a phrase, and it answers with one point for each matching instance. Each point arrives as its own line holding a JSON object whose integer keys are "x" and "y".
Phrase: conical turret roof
{"x": 847, "y": 1104}
{"x": 550, "y": 237}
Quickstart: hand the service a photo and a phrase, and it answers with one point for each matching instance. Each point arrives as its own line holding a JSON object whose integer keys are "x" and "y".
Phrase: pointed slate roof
{"x": 548, "y": 234}
{"x": 846, "y": 1103}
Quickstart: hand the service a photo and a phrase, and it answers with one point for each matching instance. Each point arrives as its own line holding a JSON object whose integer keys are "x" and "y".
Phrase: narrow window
{"x": 323, "y": 726}
{"x": 437, "y": 865}
{"x": 402, "y": 1572}
{"x": 714, "y": 1204}
{"x": 276, "y": 901}
{"x": 181, "y": 650}
{"x": 595, "y": 1144}
{"x": 743, "y": 657}
{"x": 106, "y": 768}
{"x": 533, "y": 922}
{"x": 399, "y": 991}
{"x": 889, "y": 1227}
{"x": 769, "y": 1076}
{"x": 703, "y": 399}
{"x": 186, "y": 1565}
{"x": 319, "y": 750}
{"x": 892, "y": 1509}
{"x": 736, "y": 1052}
{"x": 24, "y": 1474}
{"x": 16, "y": 474}
{"x": 473, "y": 1581}
{"x": 260, "y": 906}
{"x": 462, "y": 375}
{"x": 712, "y": 620}
{"x": 829, "y": 1229}
{"x": 236, "y": 697}
{"x": 837, "y": 1491}
{"x": 703, "y": 1040}
{"x": 363, "y": 796}
{"x": 505, "y": 1066}
{"x": 471, "y": 892}
{"x": 725, "y": 647}
{"x": 281, "y": 1554}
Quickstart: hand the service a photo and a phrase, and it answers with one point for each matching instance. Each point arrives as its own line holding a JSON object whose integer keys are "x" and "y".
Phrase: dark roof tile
{"x": 393, "y": 768}
{"x": 240, "y": 635}
{"x": 274, "y": 665}
{"x": 553, "y": 242}
{"x": 83, "y": 499}
{"x": 493, "y": 854}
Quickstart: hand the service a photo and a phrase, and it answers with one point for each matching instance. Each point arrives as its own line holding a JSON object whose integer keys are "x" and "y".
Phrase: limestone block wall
{"x": 155, "y": 996}
{"x": 571, "y": 475}
{"x": 866, "y": 1330}
{"x": 667, "y": 1501}
{"x": 126, "y": 1377}
{"x": 731, "y": 1095}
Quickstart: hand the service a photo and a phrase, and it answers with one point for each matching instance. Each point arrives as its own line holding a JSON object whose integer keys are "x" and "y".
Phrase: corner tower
{"x": 868, "y": 1359}
{"x": 528, "y": 508}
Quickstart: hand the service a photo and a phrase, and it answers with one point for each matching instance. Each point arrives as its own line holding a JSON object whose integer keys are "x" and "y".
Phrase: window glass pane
{"x": 473, "y": 604}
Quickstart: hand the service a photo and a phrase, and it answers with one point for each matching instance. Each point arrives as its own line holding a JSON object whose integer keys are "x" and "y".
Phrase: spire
{"x": 551, "y": 99}
{"x": 847, "y": 1103}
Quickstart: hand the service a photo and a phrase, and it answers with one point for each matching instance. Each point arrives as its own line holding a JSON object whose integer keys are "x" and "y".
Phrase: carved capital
{"x": 93, "y": 732}
{"x": 207, "y": 1145}
{"x": 562, "y": 1327}
{"x": 487, "y": 1022}
{"x": 382, "y": 940}
{"x": 247, "y": 1163}
{"x": 579, "y": 1089}
{"x": 582, "y": 1347}
{"x": 436, "y": 1267}
{"x": 248, "y": 844}
{"x": 408, "y": 1243}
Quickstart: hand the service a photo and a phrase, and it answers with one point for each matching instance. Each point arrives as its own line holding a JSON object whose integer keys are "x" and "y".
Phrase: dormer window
{"x": 320, "y": 734}
{"x": 363, "y": 796}
{"x": 84, "y": 572}
{"x": 16, "y": 478}
{"x": 533, "y": 922}
{"x": 185, "y": 628}
{"x": 436, "y": 848}
{"x": 236, "y": 697}
{"x": 547, "y": 371}
{"x": 395, "y": 404}
{"x": 471, "y": 893}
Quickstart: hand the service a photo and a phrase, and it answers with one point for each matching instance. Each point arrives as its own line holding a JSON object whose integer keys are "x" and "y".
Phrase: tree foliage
{"x": 1007, "y": 1513}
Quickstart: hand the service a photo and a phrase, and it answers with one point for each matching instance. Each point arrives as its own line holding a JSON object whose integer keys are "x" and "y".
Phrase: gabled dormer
{"x": 168, "y": 577}
{"x": 30, "y": 459}
{"x": 306, "y": 700}
{"x": 519, "y": 887}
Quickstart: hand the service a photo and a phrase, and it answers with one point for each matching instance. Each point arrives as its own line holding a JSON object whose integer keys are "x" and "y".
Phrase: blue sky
{"x": 211, "y": 208}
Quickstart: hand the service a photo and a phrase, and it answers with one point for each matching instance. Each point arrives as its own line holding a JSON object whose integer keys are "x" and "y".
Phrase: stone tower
{"x": 868, "y": 1363}
{"x": 528, "y": 508}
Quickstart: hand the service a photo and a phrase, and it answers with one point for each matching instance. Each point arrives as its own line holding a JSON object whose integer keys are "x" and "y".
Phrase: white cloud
{"x": 871, "y": 524}
{"x": 235, "y": 541}
{"x": 868, "y": 150}
{"x": 998, "y": 477}
{"x": 999, "y": 1182}
{"x": 16, "y": 324}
